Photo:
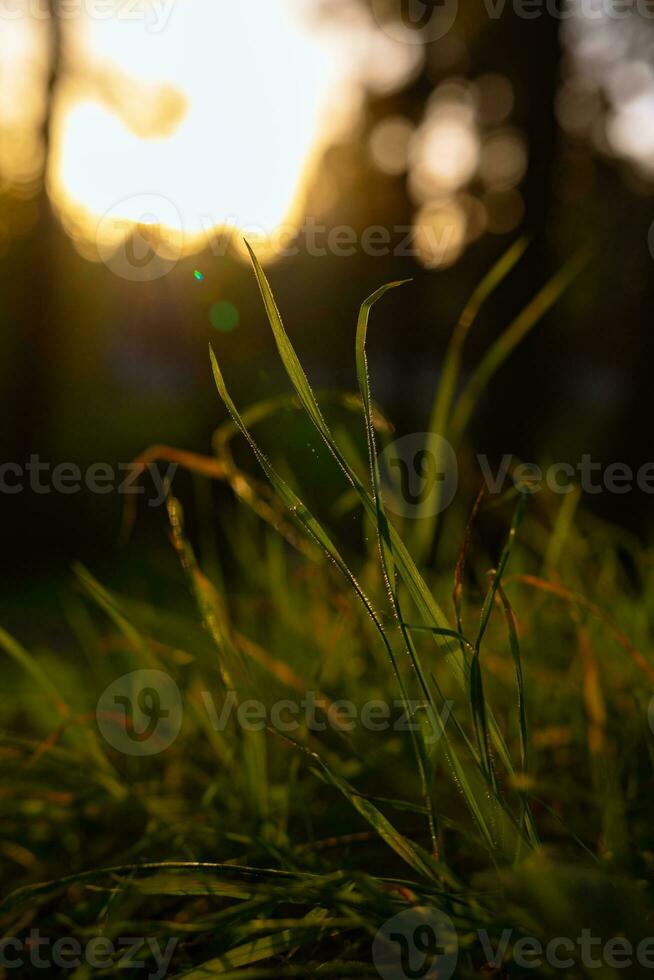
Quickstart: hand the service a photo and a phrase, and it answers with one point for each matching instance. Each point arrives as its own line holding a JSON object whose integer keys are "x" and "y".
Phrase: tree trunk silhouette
{"x": 34, "y": 322}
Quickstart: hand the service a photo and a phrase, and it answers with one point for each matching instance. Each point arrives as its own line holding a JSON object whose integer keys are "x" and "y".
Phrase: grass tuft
{"x": 508, "y": 789}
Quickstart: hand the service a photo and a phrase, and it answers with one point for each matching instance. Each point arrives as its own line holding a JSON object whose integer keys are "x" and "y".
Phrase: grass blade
{"x": 420, "y": 592}
{"x": 25, "y": 660}
{"x": 509, "y": 340}
{"x": 296, "y": 507}
{"x": 425, "y": 602}
{"x": 386, "y": 547}
{"x": 477, "y": 698}
{"x": 440, "y": 414}
{"x": 514, "y": 644}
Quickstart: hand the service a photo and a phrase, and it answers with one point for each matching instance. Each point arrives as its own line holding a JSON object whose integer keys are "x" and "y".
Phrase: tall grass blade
{"x": 111, "y": 606}
{"x": 300, "y": 513}
{"x": 514, "y": 644}
{"x": 231, "y": 663}
{"x": 262, "y": 948}
{"x": 440, "y": 413}
{"x": 477, "y": 698}
{"x": 386, "y": 546}
{"x": 509, "y": 340}
{"x": 420, "y": 593}
{"x": 31, "y": 666}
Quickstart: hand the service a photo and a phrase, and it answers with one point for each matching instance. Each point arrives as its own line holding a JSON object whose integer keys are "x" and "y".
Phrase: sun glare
{"x": 208, "y": 124}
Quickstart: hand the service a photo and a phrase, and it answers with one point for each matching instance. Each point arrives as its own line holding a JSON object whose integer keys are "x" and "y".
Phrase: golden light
{"x": 22, "y": 81}
{"x": 213, "y": 121}
{"x": 445, "y": 151}
{"x": 389, "y": 145}
{"x": 440, "y": 233}
{"x": 503, "y": 160}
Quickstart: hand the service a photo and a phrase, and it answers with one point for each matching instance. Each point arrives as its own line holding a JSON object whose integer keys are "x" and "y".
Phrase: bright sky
{"x": 218, "y": 113}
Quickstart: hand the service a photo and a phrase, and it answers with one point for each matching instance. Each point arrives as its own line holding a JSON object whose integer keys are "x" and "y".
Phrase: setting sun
{"x": 166, "y": 145}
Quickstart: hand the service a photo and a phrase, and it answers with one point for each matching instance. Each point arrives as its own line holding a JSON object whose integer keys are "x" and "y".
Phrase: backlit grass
{"x": 522, "y": 622}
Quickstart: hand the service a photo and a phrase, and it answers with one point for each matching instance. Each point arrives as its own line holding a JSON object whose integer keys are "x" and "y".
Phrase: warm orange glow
{"x": 248, "y": 89}
{"x": 22, "y": 85}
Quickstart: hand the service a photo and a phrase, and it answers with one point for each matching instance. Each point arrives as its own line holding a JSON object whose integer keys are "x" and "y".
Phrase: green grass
{"x": 267, "y": 854}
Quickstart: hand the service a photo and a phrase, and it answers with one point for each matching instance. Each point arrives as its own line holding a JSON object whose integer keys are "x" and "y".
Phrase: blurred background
{"x": 354, "y": 142}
